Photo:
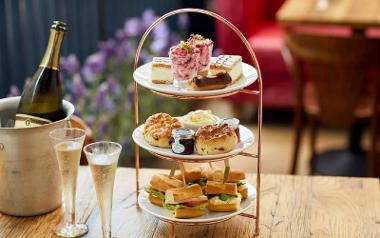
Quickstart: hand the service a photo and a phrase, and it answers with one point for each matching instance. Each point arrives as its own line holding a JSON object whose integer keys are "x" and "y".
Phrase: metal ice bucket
{"x": 30, "y": 183}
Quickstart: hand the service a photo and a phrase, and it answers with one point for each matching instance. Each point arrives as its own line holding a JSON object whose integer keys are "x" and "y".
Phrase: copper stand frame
{"x": 259, "y": 93}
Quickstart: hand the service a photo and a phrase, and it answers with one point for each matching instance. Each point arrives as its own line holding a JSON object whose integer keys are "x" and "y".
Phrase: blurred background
{"x": 97, "y": 66}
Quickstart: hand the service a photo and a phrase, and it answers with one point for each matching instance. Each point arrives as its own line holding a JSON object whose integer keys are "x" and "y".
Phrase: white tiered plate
{"x": 160, "y": 212}
{"x": 246, "y": 140}
{"x": 143, "y": 77}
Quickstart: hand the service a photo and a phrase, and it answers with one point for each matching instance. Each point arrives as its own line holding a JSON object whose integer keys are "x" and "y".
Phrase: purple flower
{"x": 77, "y": 111}
{"x": 113, "y": 87}
{"x": 78, "y": 88}
{"x": 70, "y": 64}
{"x": 103, "y": 129}
{"x": 159, "y": 46}
{"x": 183, "y": 21}
{"x": 101, "y": 95}
{"x": 14, "y": 91}
{"x": 126, "y": 51}
{"x": 161, "y": 38}
{"x": 94, "y": 64}
{"x": 148, "y": 17}
{"x": 145, "y": 56}
{"x": 90, "y": 119}
{"x": 130, "y": 97}
{"x": 121, "y": 35}
{"x": 161, "y": 31}
{"x": 109, "y": 106}
{"x": 133, "y": 27}
{"x": 108, "y": 47}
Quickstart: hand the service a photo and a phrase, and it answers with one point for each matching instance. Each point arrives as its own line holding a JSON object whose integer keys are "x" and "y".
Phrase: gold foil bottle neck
{"x": 52, "y": 53}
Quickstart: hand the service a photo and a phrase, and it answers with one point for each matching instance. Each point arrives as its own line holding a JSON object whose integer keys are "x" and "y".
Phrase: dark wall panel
{"x": 24, "y": 29}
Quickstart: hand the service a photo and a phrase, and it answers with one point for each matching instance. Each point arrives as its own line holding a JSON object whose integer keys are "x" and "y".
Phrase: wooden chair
{"x": 79, "y": 123}
{"x": 332, "y": 86}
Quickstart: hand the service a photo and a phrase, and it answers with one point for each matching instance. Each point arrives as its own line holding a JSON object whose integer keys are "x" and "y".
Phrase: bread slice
{"x": 176, "y": 195}
{"x": 213, "y": 187}
{"x": 223, "y": 207}
{"x": 188, "y": 213}
{"x": 218, "y": 205}
{"x": 231, "y": 64}
{"x": 155, "y": 200}
{"x": 217, "y": 174}
{"x": 191, "y": 174}
{"x": 162, "y": 182}
{"x": 243, "y": 190}
{"x": 161, "y": 70}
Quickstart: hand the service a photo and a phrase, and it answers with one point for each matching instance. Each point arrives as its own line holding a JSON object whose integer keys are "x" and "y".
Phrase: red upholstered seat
{"x": 256, "y": 19}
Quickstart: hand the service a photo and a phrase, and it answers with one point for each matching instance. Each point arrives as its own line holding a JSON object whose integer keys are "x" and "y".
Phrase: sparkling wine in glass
{"x": 68, "y": 143}
{"x": 102, "y": 158}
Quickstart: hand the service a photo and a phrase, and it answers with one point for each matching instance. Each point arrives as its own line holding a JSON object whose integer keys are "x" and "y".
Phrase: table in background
{"x": 357, "y": 14}
{"x": 292, "y": 206}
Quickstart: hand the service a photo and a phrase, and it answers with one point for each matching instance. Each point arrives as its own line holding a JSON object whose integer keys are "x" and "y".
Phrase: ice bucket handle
{"x": 2, "y": 151}
{"x": 68, "y": 124}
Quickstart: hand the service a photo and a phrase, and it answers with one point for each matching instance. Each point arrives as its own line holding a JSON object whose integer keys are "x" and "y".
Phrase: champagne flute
{"x": 68, "y": 143}
{"x": 102, "y": 158}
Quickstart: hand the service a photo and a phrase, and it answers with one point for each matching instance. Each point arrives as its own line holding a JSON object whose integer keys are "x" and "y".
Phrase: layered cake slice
{"x": 161, "y": 70}
{"x": 231, "y": 64}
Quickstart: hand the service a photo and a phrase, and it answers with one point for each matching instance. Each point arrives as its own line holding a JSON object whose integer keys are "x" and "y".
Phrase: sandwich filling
{"x": 202, "y": 182}
{"x": 224, "y": 199}
{"x": 155, "y": 193}
{"x": 190, "y": 197}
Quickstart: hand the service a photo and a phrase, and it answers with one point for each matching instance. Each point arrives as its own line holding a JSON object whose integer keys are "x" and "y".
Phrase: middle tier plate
{"x": 247, "y": 138}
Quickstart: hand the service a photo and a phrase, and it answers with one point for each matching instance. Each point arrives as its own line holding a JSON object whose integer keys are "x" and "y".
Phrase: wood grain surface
{"x": 352, "y": 13}
{"x": 292, "y": 206}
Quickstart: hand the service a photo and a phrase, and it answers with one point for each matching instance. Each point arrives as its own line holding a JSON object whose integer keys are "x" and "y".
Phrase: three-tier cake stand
{"x": 256, "y": 156}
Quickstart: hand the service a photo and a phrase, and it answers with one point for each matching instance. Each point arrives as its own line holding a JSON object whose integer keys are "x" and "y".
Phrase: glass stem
{"x": 105, "y": 215}
{"x": 69, "y": 203}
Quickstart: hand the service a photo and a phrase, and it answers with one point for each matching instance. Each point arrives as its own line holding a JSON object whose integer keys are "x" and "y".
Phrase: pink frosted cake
{"x": 205, "y": 50}
{"x": 184, "y": 59}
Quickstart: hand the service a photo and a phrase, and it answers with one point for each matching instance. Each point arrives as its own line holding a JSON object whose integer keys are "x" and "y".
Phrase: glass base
{"x": 71, "y": 230}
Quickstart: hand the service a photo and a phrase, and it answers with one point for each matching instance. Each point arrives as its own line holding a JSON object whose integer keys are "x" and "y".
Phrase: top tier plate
{"x": 142, "y": 75}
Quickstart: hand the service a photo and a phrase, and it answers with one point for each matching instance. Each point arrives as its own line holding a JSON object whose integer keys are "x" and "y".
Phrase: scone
{"x": 158, "y": 129}
{"x": 231, "y": 64}
{"x": 215, "y": 139}
{"x": 161, "y": 70}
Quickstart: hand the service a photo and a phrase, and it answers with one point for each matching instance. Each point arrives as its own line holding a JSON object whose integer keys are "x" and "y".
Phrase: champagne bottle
{"x": 41, "y": 100}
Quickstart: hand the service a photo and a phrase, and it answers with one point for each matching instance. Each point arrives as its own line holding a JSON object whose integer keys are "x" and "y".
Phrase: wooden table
{"x": 292, "y": 206}
{"x": 357, "y": 14}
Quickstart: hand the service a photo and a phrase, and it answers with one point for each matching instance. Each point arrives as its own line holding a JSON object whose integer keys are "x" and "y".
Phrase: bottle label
{"x": 24, "y": 120}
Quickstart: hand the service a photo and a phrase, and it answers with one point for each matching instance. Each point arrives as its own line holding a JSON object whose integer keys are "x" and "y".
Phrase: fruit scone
{"x": 158, "y": 129}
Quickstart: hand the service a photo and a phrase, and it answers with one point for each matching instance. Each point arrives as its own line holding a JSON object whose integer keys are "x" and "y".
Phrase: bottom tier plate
{"x": 208, "y": 217}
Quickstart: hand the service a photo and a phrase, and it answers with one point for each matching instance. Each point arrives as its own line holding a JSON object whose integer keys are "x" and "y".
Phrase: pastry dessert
{"x": 161, "y": 70}
{"x": 215, "y": 139}
{"x": 205, "y": 50}
{"x": 231, "y": 64}
{"x": 158, "y": 129}
{"x": 210, "y": 82}
{"x": 198, "y": 118}
{"x": 184, "y": 59}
